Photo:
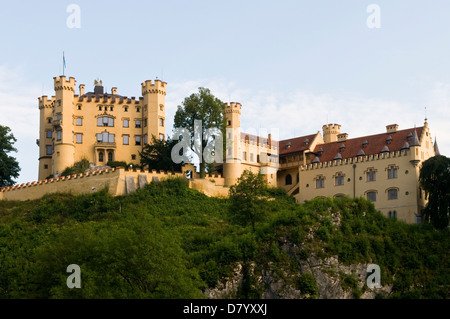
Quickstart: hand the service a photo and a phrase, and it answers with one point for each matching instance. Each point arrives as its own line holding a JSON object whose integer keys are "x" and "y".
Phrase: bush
{"x": 308, "y": 286}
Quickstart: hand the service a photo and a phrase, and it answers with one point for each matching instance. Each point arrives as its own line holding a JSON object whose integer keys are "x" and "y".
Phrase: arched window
{"x": 100, "y": 157}
{"x": 110, "y": 156}
{"x": 288, "y": 179}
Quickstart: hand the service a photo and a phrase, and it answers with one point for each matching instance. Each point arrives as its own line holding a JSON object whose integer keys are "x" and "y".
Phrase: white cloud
{"x": 302, "y": 112}
{"x": 19, "y": 111}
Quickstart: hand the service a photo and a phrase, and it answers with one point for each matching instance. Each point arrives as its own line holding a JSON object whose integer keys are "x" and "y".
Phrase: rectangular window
{"x": 79, "y": 138}
{"x": 79, "y": 121}
{"x": 99, "y": 137}
{"x": 58, "y": 135}
{"x": 244, "y": 156}
{"x": 251, "y": 157}
{"x": 161, "y": 122}
{"x": 126, "y": 140}
{"x": 110, "y": 122}
{"x": 339, "y": 180}
{"x": 392, "y": 172}
{"x": 145, "y": 139}
{"x": 372, "y": 196}
{"x": 49, "y": 134}
{"x": 392, "y": 194}
{"x": 48, "y": 149}
{"x": 145, "y": 122}
{"x": 126, "y": 123}
{"x": 320, "y": 182}
{"x": 371, "y": 176}
{"x": 161, "y": 137}
{"x": 138, "y": 139}
{"x": 138, "y": 123}
{"x": 58, "y": 117}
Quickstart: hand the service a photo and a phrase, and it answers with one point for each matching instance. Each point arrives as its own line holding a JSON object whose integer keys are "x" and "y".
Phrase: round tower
{"x": 232, "y": 165}
{"x": 330, "y": 132}
{"x": 62, "y": 122}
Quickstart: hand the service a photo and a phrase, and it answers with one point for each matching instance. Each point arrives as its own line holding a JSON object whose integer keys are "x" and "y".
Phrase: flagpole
{"x": 64, "y": 63}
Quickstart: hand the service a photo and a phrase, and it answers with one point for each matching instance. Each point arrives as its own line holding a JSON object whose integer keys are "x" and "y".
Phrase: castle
{"x": 103, "y": 127}
{"x": 98, "y": 126}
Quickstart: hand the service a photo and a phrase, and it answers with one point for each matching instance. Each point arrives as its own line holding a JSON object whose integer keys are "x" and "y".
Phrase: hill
{"x": 169, "y": 241}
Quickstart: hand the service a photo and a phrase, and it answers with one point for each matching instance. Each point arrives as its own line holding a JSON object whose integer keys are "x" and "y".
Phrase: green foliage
{"x": 157, "y": 155}
{"x": 169, "y": 241}
{"x": 205, "y": 107}
{"x": 308, "y": 286}
{"x": 116, "y": 164}
{"x": 434, "y": 178}
{"x": 9, "y": 167}
{"x": 77, "y": 168}
{"x": 248, "y": 198}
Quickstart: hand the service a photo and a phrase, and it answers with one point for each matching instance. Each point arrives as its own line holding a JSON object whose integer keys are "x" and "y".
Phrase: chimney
{"x": 114, "y": 91}
{"x": 392, "y": 128}
{"x": 81, "y": 87}
{"x": 342, "y": 137}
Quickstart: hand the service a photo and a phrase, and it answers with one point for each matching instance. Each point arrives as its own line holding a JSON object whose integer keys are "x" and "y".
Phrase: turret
{"x": 330, "y": 132}
{"x": 45, "y": 136}
{"x": 232, "y": 165}
{"x": 63, "y": 154}
{"x": 154, "y": 95}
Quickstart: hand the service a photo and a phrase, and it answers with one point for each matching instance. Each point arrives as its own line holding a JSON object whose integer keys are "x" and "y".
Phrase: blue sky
{"x": 294, "y": 65}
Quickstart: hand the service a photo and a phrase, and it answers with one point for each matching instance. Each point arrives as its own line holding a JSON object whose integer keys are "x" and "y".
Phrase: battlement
{"x": 354, "y": 160}
{"x": 331, "y": 127}
{"x": 157, "y": 86}
{"x": 233, "y": 105}
{"x": 45, "y": 102}
{"x": 61, "y": 83}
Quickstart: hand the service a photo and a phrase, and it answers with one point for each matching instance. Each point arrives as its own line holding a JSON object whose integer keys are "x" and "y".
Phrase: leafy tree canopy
{"x": 9, "y": 167}
{"x": 203, "y": 106}
{"x": 157, "y": 155}
{"x": 435, "y": 180}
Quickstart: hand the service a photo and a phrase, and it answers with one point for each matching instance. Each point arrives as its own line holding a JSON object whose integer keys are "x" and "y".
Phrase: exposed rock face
{"x": 330, "y": 275}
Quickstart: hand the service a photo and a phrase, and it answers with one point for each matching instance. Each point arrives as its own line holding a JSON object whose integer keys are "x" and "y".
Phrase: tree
{"x": 434, "y": 179}
{"x": 9, "y": 167}
{"x": 249, "y": 198}
{"x": 207, "y": 108}
{"x": 77, "y": 168}
{"x": 157, "y": 155}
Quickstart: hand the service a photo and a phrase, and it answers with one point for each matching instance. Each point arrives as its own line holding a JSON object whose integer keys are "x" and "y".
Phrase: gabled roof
{"x": 375, "y": 144}
{"x": 296, "y": 144}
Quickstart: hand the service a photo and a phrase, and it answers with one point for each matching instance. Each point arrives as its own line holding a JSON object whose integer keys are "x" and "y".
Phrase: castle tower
{"x": 45, "y": 137}
{"x": 62, "y": 120}
{"x": 154, "y": 114}
{"x": 330, "y": 132}
{"x": 232, "y": 165}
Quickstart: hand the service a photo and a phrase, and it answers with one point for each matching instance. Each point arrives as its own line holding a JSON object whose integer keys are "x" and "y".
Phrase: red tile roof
{"x": 297, "y": 144}
{"x": 374, "y": 146}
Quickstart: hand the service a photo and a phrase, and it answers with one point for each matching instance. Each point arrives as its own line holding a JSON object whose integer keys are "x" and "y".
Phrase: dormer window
{"x": 364, "y": 145}
{"x": 306, "y": 141}
{"x": 389, "y": 140}
{"x": 342, "y": 147}
{"x": 288, "y": 145}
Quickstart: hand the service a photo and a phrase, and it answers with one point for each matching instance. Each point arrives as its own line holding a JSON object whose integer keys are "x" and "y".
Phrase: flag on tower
{"x": 64, "y": 62}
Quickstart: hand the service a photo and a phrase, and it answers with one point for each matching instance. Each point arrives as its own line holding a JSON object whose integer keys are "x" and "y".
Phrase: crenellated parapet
{"x": 60, "y": 83}
{"x": 156, "y": 87}
{"x": 233, "y": 107}
{"x": 45, "y": 102}
{"x": 356, "y": 159}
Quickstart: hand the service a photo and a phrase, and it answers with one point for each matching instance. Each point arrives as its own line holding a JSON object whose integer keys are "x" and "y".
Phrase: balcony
{"x": 105, "y": 145}
{"x": 57, "y": 123}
